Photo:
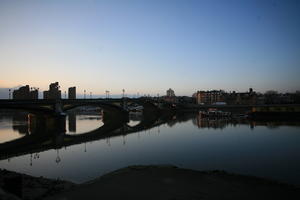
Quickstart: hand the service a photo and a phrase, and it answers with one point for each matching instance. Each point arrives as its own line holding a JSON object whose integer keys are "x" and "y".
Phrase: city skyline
{"x": 148, "y": 47}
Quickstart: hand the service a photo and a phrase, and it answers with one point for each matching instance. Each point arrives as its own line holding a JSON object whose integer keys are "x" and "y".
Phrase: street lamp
{"x": 84, "y": 93}
{"x": 9, "y": 94}
{"x": 106, "y": 94}
{"x": 123, "y": 92}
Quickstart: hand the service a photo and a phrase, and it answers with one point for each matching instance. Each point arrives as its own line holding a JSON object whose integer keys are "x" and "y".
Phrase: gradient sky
{"x": 150, "y": 46}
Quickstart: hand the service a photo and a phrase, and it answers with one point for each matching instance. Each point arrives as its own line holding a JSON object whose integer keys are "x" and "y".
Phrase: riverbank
{"x": 156, "y": 182}
{"x": 16, "y": 186}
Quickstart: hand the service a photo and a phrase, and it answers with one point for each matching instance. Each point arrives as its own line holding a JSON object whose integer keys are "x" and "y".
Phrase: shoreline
{"x": 149, "y": 182}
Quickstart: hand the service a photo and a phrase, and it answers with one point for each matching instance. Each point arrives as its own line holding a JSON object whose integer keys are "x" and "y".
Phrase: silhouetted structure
{"x": 170, "y": 97}
{"x": 72, "y": 122}
{"x": 24, "y": 92}
{"x": 209, "y": 97}
{"x": 34, "y": 94}
{"x": 170, "y": 93}
{"x": 221, "y": 97}
{"x": 53, "y": 92}
{"x": 72, "y": 93}
{"x": 20, "y": 127}
{"x": 243, "y": 98}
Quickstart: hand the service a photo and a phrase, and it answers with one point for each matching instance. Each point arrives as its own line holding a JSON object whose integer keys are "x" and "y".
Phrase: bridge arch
{"x": 111, "y": 111}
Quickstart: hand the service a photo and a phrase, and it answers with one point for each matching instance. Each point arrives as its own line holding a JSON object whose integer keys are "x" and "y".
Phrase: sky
{"x": 147, "y": 47}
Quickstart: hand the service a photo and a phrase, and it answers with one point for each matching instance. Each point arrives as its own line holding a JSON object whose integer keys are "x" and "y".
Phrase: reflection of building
{"x": 207, "y": 122}
{"x": 24, "y": 92}
{"x": 209, "y": 97}
{"x": 72, "y": 93}
{"x": 72, "y": 122}
{"x": 53, "y": 92}
{"x": 19, "y": 123}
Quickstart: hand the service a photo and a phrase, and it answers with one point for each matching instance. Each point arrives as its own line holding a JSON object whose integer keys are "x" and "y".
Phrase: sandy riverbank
{"x": 16, "y": 186}
{"x": 169, "y": 182}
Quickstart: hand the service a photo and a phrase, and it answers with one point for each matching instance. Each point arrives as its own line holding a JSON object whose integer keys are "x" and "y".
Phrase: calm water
{"x": 262, "y": 149}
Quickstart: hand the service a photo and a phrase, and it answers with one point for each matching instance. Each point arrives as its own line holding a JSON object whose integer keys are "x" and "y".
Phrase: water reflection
{"x": 82, "y": 123}
{"x": 13, "y": 126}
{"x": 57, "y": 150}
{"x": 72, "y": 122}
{"x": 221, "y": 123}
{"x": 135, "y": 118}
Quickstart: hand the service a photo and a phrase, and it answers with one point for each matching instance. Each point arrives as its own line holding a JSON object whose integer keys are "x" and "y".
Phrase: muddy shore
{"x": 148, "y": 182}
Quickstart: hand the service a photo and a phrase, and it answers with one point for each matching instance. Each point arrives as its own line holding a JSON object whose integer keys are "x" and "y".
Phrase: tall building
{"x": 46, "y": 94}
{"x": 53, "y": 92}
{"x": 34, "y": 94}
{"x": 170, "y": 93}
{"x": 72, "y": 93}
{"x": 24, "y": 92}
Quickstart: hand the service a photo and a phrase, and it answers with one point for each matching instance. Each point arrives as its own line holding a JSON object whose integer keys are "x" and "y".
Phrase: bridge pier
{"x": 58, "y": 108}
{"x": 124, "y": 104}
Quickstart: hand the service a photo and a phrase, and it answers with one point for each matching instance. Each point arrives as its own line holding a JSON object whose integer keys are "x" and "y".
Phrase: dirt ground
{"x": 170, "y": 183}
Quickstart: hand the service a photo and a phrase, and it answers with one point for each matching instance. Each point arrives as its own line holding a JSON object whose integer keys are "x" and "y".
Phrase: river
{"x": 264, "y": 149}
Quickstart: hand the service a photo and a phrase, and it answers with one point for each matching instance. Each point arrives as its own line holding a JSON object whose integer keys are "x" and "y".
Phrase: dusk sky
{"x": 150, "y": 46}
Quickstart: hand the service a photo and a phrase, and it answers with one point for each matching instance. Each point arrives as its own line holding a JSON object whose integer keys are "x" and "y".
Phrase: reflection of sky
{"x": 133, "y": 123}
{"x": 260, "y": 151}
{"x": 6, "y": 131}
{"x": 149, "y": 46}
{"x": 85, "y": 123}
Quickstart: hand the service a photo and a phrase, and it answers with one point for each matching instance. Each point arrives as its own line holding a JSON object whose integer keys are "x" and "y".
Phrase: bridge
{"x": 118, "y": 107}
{"x": 57, "y": 106}
{"x": 113, "y": 108}
{"x": 115, "y": 121}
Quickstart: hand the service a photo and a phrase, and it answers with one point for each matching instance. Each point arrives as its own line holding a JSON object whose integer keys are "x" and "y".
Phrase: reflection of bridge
{"x": 50, "y": 133}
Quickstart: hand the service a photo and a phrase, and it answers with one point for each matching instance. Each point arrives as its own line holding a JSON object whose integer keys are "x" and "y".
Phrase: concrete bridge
{"x": 115, "y": 117}
{"x": 116, "y": 109}
{"x": 58, "y": 106}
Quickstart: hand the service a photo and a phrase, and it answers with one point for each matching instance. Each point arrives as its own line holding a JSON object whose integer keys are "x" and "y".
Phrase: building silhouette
{"x": 209, "y": 97}
{"x": 72, "y": 93}
{"x": 72, "y": 122}
{"x": 24, "y": 92}
{"x": 233, "y": 98}
{"x": 170, "y": 93}
{"x": 242, "y": 98}
{"x": 53, "y": 92}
